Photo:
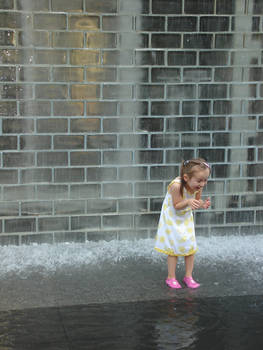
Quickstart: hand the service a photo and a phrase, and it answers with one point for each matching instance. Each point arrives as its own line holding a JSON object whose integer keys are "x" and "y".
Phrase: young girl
{"x": 176, "y": 233}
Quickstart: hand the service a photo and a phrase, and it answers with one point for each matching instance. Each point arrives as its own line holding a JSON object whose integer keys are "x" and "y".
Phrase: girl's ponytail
{"x": 183, "y": 183}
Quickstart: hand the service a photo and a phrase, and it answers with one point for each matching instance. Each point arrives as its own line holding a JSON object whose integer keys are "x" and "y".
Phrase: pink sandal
{"x": 173, "y": 283}
{"x": 190, "y": 282}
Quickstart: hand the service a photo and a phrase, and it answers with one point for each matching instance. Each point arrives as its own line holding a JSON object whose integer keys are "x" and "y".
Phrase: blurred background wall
{"x": 100, "y": 102}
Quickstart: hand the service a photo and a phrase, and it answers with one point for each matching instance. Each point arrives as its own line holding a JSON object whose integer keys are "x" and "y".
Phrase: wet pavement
{"x": 126, "y": 281}
{"x": 125, "y": 304}
{"x": 194, "y": 324}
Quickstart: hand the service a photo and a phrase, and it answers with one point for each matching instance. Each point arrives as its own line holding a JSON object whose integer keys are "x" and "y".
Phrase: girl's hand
{"x": 195, "y": 203}
{"x": 206, "y": 203}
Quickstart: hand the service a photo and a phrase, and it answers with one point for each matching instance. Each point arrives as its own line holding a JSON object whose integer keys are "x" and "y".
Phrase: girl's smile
{"x": 197, "y": 181}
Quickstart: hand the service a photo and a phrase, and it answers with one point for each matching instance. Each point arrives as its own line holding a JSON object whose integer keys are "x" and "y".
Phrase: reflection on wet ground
{"x": 196, "y": 324}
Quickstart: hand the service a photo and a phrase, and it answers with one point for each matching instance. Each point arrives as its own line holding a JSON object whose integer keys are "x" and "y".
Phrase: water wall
{"x": 100, "y": 102}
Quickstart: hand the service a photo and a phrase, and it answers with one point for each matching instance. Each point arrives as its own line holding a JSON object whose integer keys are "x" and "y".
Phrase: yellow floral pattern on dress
{"x": 176, "y": 233}
{"x": 169, "y": 222}
{"x": 186, "y": 222}
{"x": 162, "y": 239}
{"x": 183, "y": 239}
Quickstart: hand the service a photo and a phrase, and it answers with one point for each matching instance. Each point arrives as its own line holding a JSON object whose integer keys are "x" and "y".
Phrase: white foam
{"x": 48, "y": 258}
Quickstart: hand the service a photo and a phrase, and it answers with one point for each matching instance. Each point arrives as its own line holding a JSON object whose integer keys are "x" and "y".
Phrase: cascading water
{"x": 101, "y": 101}
{"x": 246, "y": 251}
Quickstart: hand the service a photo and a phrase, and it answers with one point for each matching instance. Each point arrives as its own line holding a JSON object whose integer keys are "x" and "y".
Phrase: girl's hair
{"x": 188, "y": 168}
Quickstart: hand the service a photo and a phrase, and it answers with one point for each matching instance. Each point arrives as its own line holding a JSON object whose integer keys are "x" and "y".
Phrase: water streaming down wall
{"x": 100, "y": 101}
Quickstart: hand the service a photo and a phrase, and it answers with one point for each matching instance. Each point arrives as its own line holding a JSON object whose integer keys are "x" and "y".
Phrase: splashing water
{"x": 48, "y": 258}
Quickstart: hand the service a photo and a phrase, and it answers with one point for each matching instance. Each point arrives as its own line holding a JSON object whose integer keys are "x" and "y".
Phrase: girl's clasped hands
{"x": 199, "y": 203}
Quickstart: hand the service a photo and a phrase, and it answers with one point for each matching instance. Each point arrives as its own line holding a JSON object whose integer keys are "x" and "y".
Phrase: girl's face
{"x": 197, "y": 181}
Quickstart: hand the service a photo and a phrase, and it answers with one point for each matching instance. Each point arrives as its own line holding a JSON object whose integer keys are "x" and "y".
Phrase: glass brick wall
{"x": 100, "y": 102}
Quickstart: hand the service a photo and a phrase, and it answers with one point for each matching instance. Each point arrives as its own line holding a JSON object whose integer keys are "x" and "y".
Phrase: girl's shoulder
{"x": 176, "y": 183}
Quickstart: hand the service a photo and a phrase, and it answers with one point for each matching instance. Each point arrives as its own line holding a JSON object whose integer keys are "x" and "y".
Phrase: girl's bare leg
{"x": 171, "y": 262}
{"x": 189, "y": 265}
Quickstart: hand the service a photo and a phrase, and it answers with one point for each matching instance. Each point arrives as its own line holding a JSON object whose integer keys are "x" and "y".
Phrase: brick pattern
{"x": 100, "y": 102}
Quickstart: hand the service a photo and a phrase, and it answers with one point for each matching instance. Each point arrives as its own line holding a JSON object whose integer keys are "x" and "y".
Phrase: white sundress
{"x": 176, "y": 232}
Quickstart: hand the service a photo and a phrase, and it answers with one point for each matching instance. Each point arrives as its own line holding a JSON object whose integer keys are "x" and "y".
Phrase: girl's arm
{"x": 179, "y": 202}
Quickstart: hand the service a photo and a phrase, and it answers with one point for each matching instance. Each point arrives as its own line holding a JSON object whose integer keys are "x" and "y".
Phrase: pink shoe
{"x": 190, "y": 282}
{"x": 173, "y": 283}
